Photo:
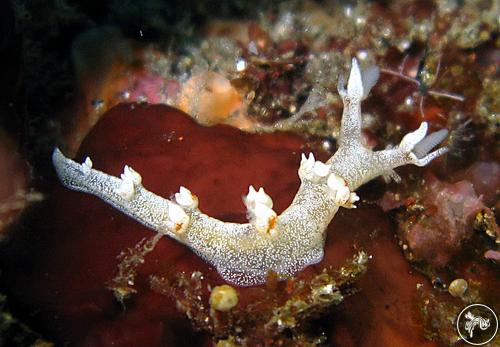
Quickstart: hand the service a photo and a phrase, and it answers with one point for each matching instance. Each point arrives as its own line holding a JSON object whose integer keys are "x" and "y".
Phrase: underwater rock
{"x": 63, "y": 257}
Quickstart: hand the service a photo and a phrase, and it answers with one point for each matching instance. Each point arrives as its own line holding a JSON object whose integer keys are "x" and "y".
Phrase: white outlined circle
{"x": 482, "y": 307}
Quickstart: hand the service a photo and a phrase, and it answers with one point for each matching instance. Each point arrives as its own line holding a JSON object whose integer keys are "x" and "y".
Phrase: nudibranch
{"x": 243, "y": 254}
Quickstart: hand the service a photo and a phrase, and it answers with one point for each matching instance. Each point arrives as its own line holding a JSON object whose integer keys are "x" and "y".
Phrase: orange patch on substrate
{"x": 211, "y": 99}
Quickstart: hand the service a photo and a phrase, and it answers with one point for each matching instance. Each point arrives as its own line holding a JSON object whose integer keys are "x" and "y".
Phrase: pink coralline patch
{"x": 485, "y": 177}
{"x": 152, "y": 88}
{"x": 447, "y": 221}
{"x": 492, "y": 255}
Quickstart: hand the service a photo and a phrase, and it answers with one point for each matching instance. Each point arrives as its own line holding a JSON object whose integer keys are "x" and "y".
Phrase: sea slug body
{"x": 243, "y": 254}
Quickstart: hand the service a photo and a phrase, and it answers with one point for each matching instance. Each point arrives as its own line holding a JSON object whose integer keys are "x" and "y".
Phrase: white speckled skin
{"x": 242, "y": 253}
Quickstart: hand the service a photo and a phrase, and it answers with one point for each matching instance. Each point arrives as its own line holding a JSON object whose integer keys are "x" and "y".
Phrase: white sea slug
{"x": 286, "y": 243}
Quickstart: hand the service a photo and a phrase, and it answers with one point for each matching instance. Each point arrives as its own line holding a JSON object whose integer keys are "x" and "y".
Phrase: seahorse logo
{"x": 477, "y": 324}
{"x": 474, "y": 321}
